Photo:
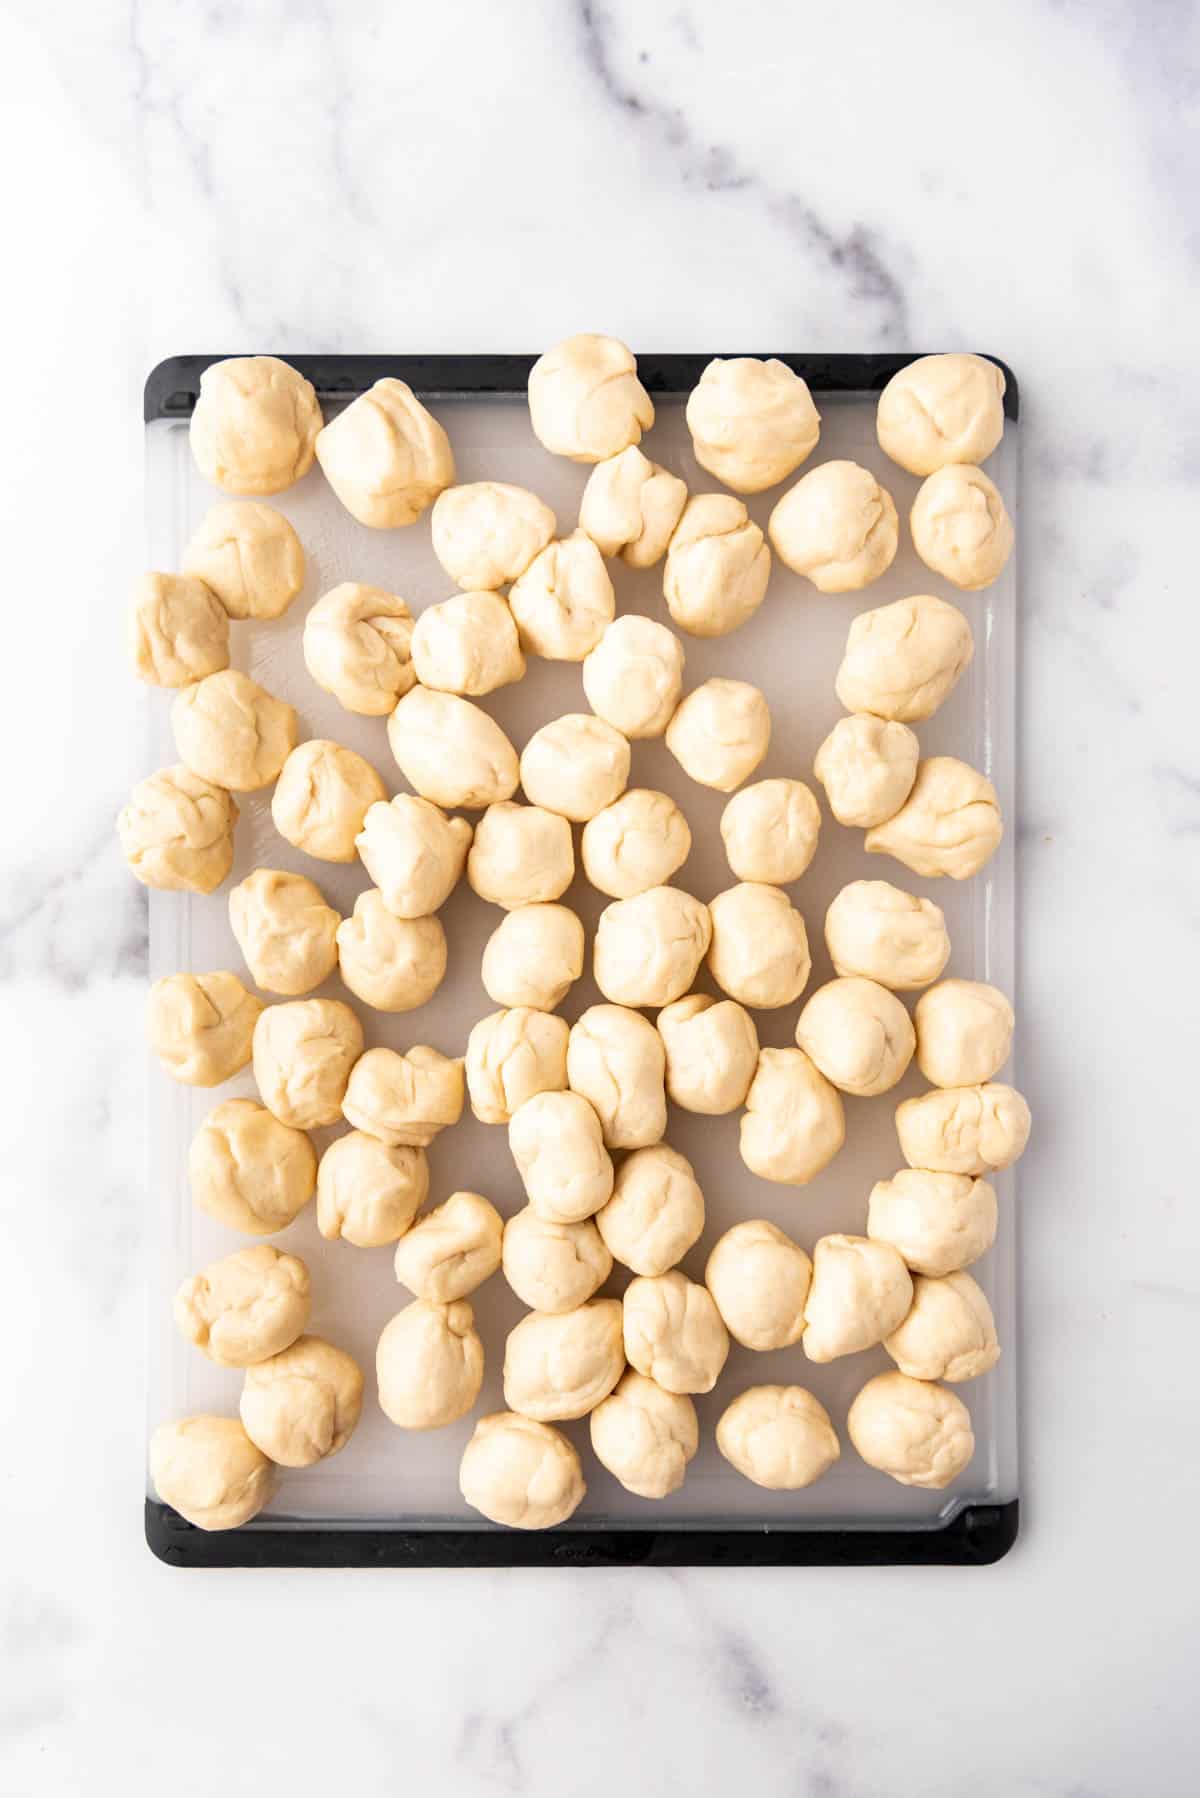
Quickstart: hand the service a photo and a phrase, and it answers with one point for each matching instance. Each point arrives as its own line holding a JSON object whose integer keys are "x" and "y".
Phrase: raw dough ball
{"x": 794, "y": 1123}
{"x": 553, "y": 1267}
{"x": 208, "y": 1470}
{"x": 645, "y": 1436}
{"x": 521, "y": 855}
{"x": 385, "y": 456}
{"x": 615, "y": 1059}
{"x": 964, "y": 1129}
{"x": 179, "y": 630}
{"x": 759, "y": 953}
{"x": 322, "y": 798}
{"x": 201, "y": 1026}
{"x": 770, "y": 831}
{"x": 468, "y": 644}
{"x": 451, "y": 751}
{"x": 429, "y": 1365}
{"x": 575, "y": 765}
{"x": 858, "y": 1034}
{"x": 230, "y": 731}
{"x": 512, "y": 1055}
{"x": 656, "y": 1211}
{"x": 303, "y": 1053}
{"x": 634, "y": 677}
{"x": 673, "y": 1332}
{"x": 560, "y": 1365}
{"x": 964, "y": 1032}
{"x": 404, "y": 1098}
{"x": 533, "y": 957}
{"x": 860, "y": 1292}
{"x": 246, "y": 1307}
{"x": 487, "y": 533}
{"x": 523, "y": 1474}
{"x": 248, "y": 1170}
{"x": 630, "y": 507}
{"x": 711, "y": 1053}
{"x": 394, "y": 964}
{"x": 558, "y": 1146}
{"x": 915, "y": 1431}
{"x": 177, "y": 831}
{"x": 778, "y": 1436}
{"x": 949, "y": 1334}
{"x": 837, "y": 526}
{"x": 752, "y": 423}
{"x": 886, "y": 935}
{"x": 357, "y": 645}
{"x": 867, "y": 766}
{"x": 413, "y": 853}
{"x": 936, "y": 1222}
{"x": 585, "y": 400}
{"x": 250, "y": 556}
{"x": 903, "y": 660}
{"x": 255, "y": 423}
{"x": 454, "y": 1249}
{"x": 720, "y": 733}
{"x": 636, "y": 843}
{"x": 949, "y": 824}
{"x": 304, "y": 1403}
{"x": 285, "y": 931}
{"x": 961, "y": 528}
{"x": 759, "y": 1279}
{"x": 941, "y": 409}
{"x": 368, "y": 1193}
{"x": 648, "y": 949}
{"x": 564, "y": 600}
{"x": 718, "y": 566}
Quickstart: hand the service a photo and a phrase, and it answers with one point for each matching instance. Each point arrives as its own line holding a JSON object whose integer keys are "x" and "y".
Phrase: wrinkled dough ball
{"x": 615, "y": 1059}
{"x": 179, "y": 630}
{"x": 860, "y": 1292}
{"x": 648, "y": 949}
{"x": 230, "y": 731}
{"x": 867, "y": 766}
{"x": 487, "y": 533}
{"x": 558, "y": 1146}
{"x": 794, "y": 1123}
{"x": 759, "y": 952}
{"x": 285, "y": 931}
{"x": 322, "y": 798}
{"x": 553, "y": 1267}
{"x": 454, "y": 1249}
{"x": 177, "y": 831}
{"x": 255, "y": 424}
{"x": 519, "y": 1473}
{"x": 250, "y": 556}
{"x": 367, "y": 1193}
{"x": 837, "y": 526}
{"x": 630, "y": 507}
{"x": 936, "y": 1222}
{"x": 395, "y": 964}
{"x": 770, "y": 831}
{"x": 533, "y": 957}
{"x": 964, "y": 1032}
{"x": 585, "y": 400}
{"x": 467, "y": 645}
{"x": 512, "y": 1055}
{"x": 752, "y": 422}
{"x": 249, "y": 1171}
{"x": 949, "y": 1334}
{"x": 404, "y": 1099}
{"x": 964, "y": 1129}
{"x": 887, "y": 935}
{"x": 673, "y": 1332}
{"x": 961, "y": 528}
{"x": 521, "y": 855}
{"x": 720, "y": 733}
{"x": 645, "y": 1436}
{"x": 413, "y": 853}
{"x": 429, "y": 1365}
{"x": 858, "y": 1034}
{"x": 386, "y": 457}
{"x": 656, "y": 1211}
{"x": 247, "y": 1307}
{"x": 711, "y": 1050}
{"x": 208, "y": 1470}
{"x": 303, "y": 1404}
{"x": 949, "y": 824}
{"x": 201, "y": 1026}
{"x": 559, "y": 1365}
{"x": 564, "y": 600}
{"x": 718, "y": 566}
{"x": 903, "y": 660}
{"x": 941, "y": 409}
{"x": 778, "y": 1436}
{"x": 633, "y": 678}
{"x": 634, "y": 844}
{"x": 450, "y": 751}
{"x": 303, "y": 1053}
{"x": 575, "y": 765}
{"x": 357, "y": 645}
{"x": 759, "y": 1279}
{"x": 915, "y": 1431}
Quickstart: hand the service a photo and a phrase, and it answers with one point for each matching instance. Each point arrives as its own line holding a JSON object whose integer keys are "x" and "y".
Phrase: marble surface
{"x": 364, "y": 176}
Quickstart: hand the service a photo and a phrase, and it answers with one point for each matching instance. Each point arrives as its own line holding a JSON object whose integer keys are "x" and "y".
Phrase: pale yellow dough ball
{"x": 858, "y": 1034}
{"x": 414, "y": 853}
{"x": 386, "y": 456}
{"x": 718, "y": 566}
{"x": 255, "y": 424}
{"x": 564, "y": 600}
{"x": 486, "y": 534}
{"x": 656, "y": 1211}
{"x": 246, "y": 1307}
{"x": 468, "y": 645}
{"x": 867, "y": 766}
{"x": 303, "y": 1404}
{"x": 519, "y": 1473}
{"x": 453, "y": 1249}
{"x": 637, "y": 842}
{"x": 913, "y": 1430}
{"x": 904, "y": 659}
{"x": 248, "y": 1170}
{"x": 250, "y": 555}
{"x": 949, "y": 1333}
{"x": 615, "y": 1059}
{"x": 585, "y": 400}
{"x": 964, "y": 1032}
{"x": 394, "y": 964}
{"x": 357, "y": 645}
{"x": 752, "y": 422}
{"x": 557, "y": 1144}
{"x": 950, "y": 824}
{"x": 451, "y": 751}
{"x": 429, "y": 1365}
{"x": 179, "y": 630}
{"x": 368, "y": 1193}
{"x": 553, "y": 1266}
{"x": 770, "y": 831}
{"x": 778, "y": 1436}
{"x": 759, "y": 952}
{"x": 861, "y": 1290}
{"x": 673, "y": 1332}
{"x": 794, "y": 1123}
{"x": 512, "y": 1055}
{"x": 645, "y": 1436}
{"x": 964, "y": 1129}
{"x": 633, "y": 678}
{"x": 322, "y": 798}
{"x": 201, "y": 1026}
{"x": 404, "y": 1099}
{"x": 533, "y": 957}
{"x": 559, "y": 1365}
{"x": 759, "y": 1279}
{"x": 936, "y": 1222}
{"x": 711, "y": 1048}
{"x": 631, "y": 506}
{"x": 884, "y": 934}
{"x": 208, "y": 1470}
{"x": 521, "y": 855}
{"x": 720, "y": 733}
{"x": 231, "y": 731}
{"x": 303, "y": 1053}
{"x": 942, "y": 409}
{"x": 648, "y": 949}
{"x": 176, "y": 831}
{"x": 575, "y": 765}
{"x": 961, "y": 527}
{"x": 286, "y": 932}
{"x": 837, "y": 526}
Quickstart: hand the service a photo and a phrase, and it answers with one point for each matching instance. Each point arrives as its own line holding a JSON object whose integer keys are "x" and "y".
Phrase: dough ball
{"x": 886, "y": 935}
{"x": 936, "y": 1222}
{"x": 404, "y": 1099}
{"x": 585, "y": 400}
{"x": 208, "y": 1470}
{"x": 964, "y": 1032}
{"x": 633, "y": 678}
{"x": 915, "y": 1431}
{"x": 759, "y": 1279}
{"x": 949, "y": 824}
{"x": 201, "y": 1026}
{"x": 711, "y": 1053}
{"x": 468, "y": 644}
{"x": 752, "y": 423}
{"x": 961, "y": 528}
{"x": 631, "y": 506}
{"x": 904, "y": 659}
{"x": 645, "y": 1436}
{"x": 557, "y": 1143}
{"x": 564, "y": 600}
{"x": 949, "y": 1334}
{"x": 559, "y": 1365}
{"x": 794, "y": 1123}
{"x": 720, "y": 733}
{"x": 615, "y": 1060}
{"x": 248, "y": 1170}
{"x": 673, "y": 1332}
{"x": 521, "y": 855}
{"x": 533, "y": 957}
{"x": 523, "y": 1474}
{"x": 941, "y": 409}
{"x": 451, "y": 751}
{"x": 303, "y": 1053}
{"x": 303, "y": 1404}
{"x": 487, "y": 533}
{"x": 575, "y": 765}
{"x": 177, "y": 831}
{"x": 229, "y": 730}
{"x": 778, "y": 1436}
{"x": 394, "y": 964}
{"x": 964, "y": 1129}
{"x": 759, "y": 953}
{"x": 858, "y": 1034}
{"x": 551, "y": 1266}
{"x": 648, "y": 949}
{"x": 837, "y": 526}
{"x": 860, "y": 1292}
{"x": 250, "y": 556}
{"x": 358, "y": 645}
{"x": 656, "y": 1211}
{"x": 322, "y": 798}
{"x": 512, "y": 1055}
{"x": 635, "y": 843}
{"x": 414, "y": 853}
{"x": 179, "y": 630}
{"x": 454, "y": 1249}
{"x": 367, "y": 1193}
{"x": 429, "y": 1365}
{"x": 867, "y": 766}
{"x": 246, "y": 1307}
{"x": 718, "y": 566}
{"x": 285, "y": 931}
{"x": 255, "y": 424}
{"x": 770, "y": 831}
{"x": 386, "y": 457}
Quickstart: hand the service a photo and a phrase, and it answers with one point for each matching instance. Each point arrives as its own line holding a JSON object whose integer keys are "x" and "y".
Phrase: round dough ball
{"x": 255, "y": 424}
{"x": 860, "y": 1292}
{"x": 964, "y": 1032}
{"x": 867, "y": 766}
{"x": 858, "y": 1034}
{"x": 949, "y": 824}
{"x": 575, "y": 765}
{"x": 557, "y": 1143}
{"x": 656, "y": 1211}
{"x": 386, "y": 457}
{"x": 631, "y": 506}
{"x": 451, "y": 751}
{"x": 752, "y": 422}
{"x": 429, "y": 1365}
{"x": 208, "y": 1470}
{"x": 248, "y": 1170}
{"x": 886, "y": 935}
{"x": 564, "y": 600}
{"x": 961, "y": 528}
{"x": 645, "y": 1436}
{"x": 759, "y": 953}
{"x": 468, "y": 644}
{"x": 778, "y": 1436}
{"x": 711, "y": 1050}
{"x": 759, "y": 1279}
{"x": 285, "y": 931}
{"x": 322, "y": 798}
{"x": 941, "y": 409}
{"x": 551, "y": 1266}
{"x": 394, "y": 964}
{"x": 179, "y": 630}
{"x": 487, "y": 533}
{"x": 615, "y": 1059}
{"x": 916, "y": 1432}
{"x": 246, "y": 1307}
{"x": 523, "y": 1474}
{"x": 303, "y": 1404}
{"x": 633, "y": 678}
{"x": 648, "y": 949}
{"x": 303, "y": 1053}
{"x": 904, "y": 659}
{"x": 720, "y": 733}
{"x": 718, "y": 566}
{"x": 770, "y": 831}
{"x": 585, "y": 400}
{"x": 964, "y": 1129}
{"x": 367, "y": 1193}
{"x": 512, "y": 1055}
{"x": 936, "y": 1222}
{"x": 231, "y": 731}
{"x": 794, "y": 1123}
{"x": 521, "y": 855}
{"x": 177, "y": 831}
{"x": 533, "y": 957}
{"x": 358, "y": 645}
{"x": 673, "y": 1332}
{"x": 454, "y": 1249}
{"x": 250, "y": 556}
{"x": 636, "y": 843}
{"x": 837, "y": 526}
{"x": 201, "y": 1026}
{"x": 414, "y": 853}
{"x": 404, "y": 1099}
{"x": 949, "y": 1334}
{"x": 559, "y": 1365}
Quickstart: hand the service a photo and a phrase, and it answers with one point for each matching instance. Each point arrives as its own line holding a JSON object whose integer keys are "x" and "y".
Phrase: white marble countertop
{"x": 1021, "y": 179}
